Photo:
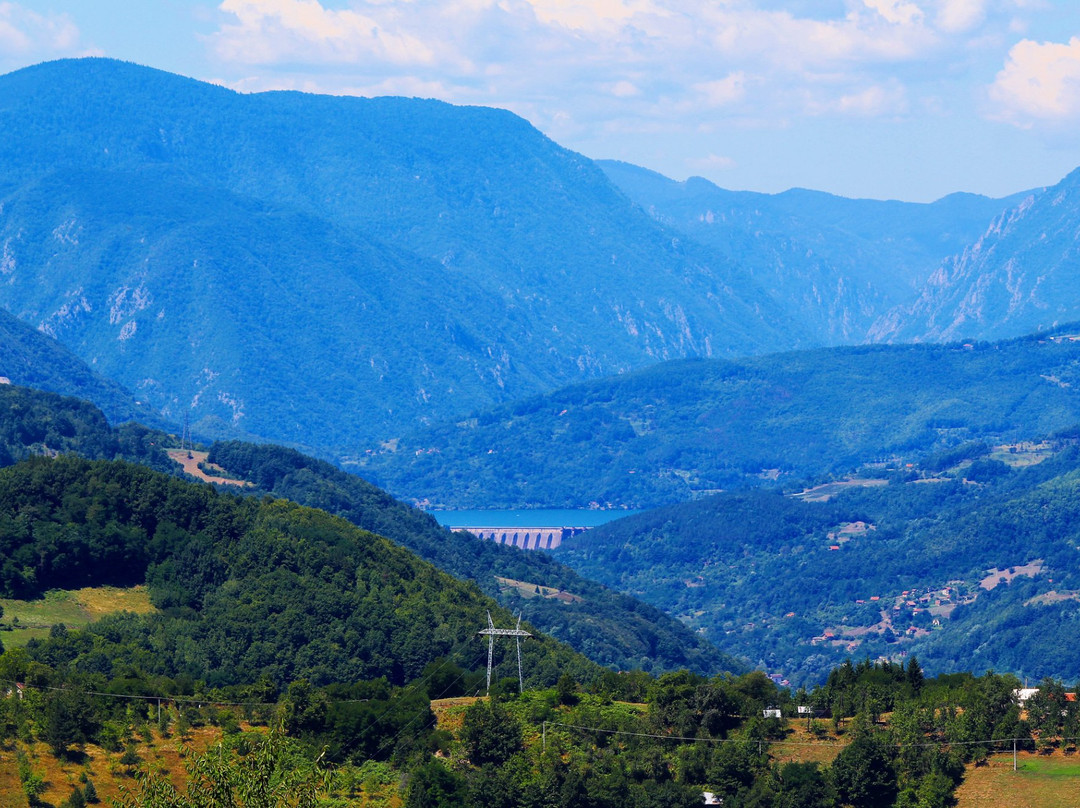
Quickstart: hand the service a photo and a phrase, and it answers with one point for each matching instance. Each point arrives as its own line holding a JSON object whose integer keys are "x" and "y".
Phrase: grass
{"x": 1041, "y": 781}
{"x": 528, "y": 590}
{"x": 74, "y": 608}
{"x": 61, "y": 776}
{"x": 800, "y": 746}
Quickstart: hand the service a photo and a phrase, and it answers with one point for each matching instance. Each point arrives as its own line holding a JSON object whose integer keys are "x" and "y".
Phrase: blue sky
{"x": 904, "y": 99}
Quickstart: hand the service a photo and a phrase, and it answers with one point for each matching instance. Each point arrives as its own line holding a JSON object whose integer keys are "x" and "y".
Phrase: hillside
{"x": 34, "y": 422}
{"x": 610, "y": 628}
{"x": 32, "y": 359}
{"x": 837, "y": 264}
{"x": 967, "y": 562}
{"x": 278, "y": 262}
{"x": 247, "y": 588}
{"x": 684, "y": 429}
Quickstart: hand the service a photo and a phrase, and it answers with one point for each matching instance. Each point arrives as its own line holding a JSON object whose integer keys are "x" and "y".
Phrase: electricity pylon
{"x": 491, "y": 633}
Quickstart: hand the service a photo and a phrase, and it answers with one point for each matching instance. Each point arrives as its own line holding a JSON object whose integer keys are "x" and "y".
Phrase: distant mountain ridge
{"x": 335, "y": 273}
{"x": 838, "y": 264}
{"x": 684, "y": 429}
{"x": 278, "y": 262}
{"x": 1019, "y": 275}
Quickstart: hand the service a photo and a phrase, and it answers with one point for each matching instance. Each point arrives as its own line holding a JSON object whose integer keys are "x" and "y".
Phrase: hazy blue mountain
{"x": 683, "y": 429}
{"x": 324, "y": 270}
{"x": 837, "y": 263}
{"x": 1020, "y": 276}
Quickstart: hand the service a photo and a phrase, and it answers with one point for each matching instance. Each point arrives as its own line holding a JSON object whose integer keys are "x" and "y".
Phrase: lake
{"x": 541, "y": 517}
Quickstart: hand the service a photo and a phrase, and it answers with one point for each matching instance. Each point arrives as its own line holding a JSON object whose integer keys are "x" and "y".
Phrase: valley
{"x": 793, "y": 477}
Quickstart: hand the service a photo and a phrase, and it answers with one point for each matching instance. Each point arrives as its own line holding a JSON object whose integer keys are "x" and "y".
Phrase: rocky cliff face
{"x": 1020, "y": 277}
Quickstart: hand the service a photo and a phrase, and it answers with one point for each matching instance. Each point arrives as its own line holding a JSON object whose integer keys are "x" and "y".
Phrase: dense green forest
{"x": 34, "y": 422}
{"x": 245, "y": 587}
{"x": 608, "y": 627}
{"x": 968, "y": 561}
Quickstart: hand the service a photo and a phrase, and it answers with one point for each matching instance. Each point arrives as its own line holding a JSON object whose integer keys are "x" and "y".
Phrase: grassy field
{"x": 73, "y": 608}
{"x": 801, "y": 746}
{"x": 109, "y": 776}
{"x": 1041, "y": 781}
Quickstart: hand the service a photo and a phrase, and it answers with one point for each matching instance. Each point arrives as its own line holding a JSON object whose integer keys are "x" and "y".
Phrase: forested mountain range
{"x": 837, "y": 264}
{"x": 610, "y": 628}
{"x": 272, "y": 264}
{"x": 967, "y": 561}
{"x": 683, "y": 429}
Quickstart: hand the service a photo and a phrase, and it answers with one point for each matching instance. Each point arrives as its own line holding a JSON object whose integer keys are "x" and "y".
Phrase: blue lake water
{"x": 548, "y": 517}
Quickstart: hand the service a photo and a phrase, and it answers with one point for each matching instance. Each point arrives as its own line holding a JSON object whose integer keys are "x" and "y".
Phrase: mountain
{"x": 1018, "y": 276}
{"x": 30, "y": 358}
{"x": 610, "y": 628}
{"x": 970, "y": 566}
{"x": 279, "y": 263}
{"x": 837, "y": 264}
{"x": 688, "y": 428}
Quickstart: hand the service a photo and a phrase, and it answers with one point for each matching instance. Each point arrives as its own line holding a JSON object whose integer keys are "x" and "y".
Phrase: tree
{"x": 435, "y": 786}
{"x": 490, "y": 733}
{"x": 863, "y": 772}
{"x": 269, "y": 777}
{"x": 67, "y": 719}
{"x": 914, "y": 675}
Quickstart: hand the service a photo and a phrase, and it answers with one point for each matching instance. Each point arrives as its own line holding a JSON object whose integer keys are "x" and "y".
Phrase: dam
{"x": 527, "y": 538}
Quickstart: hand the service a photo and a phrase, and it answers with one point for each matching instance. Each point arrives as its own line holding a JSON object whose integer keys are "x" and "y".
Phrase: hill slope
{"x": 248, "y": 588}
{"x": 30, "y": 358}
{"x": 683, "y": 429}
{"x": 973, "y": 567}
{"x": 279, "y": 262}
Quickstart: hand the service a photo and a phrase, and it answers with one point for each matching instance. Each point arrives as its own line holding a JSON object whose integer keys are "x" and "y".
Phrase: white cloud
{"x": 712, "y": 162}
{"x": 1040, "y": 82}
{"x": 274, "y": 30}
{"x": 27, "y": 33}
{"x": 593, "y": 15}
{"x": 724, "y": 91}
{"x": 896, "y": 12}
{"x": 631, "y": 61}
{"x": 956, "y": 16}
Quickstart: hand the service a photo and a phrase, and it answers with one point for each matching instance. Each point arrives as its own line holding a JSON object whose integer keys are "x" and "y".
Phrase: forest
{"x": 610, "y": 628}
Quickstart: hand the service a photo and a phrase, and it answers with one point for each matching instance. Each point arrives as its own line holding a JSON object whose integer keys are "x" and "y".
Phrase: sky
{"x": 882, "y": 99}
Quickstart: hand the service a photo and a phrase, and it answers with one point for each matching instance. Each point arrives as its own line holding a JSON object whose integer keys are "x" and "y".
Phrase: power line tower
{"x": 491, "y": 633}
